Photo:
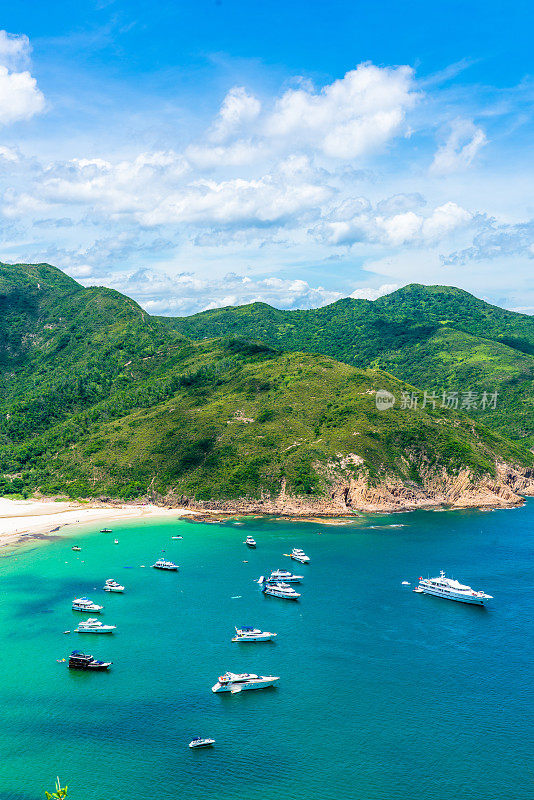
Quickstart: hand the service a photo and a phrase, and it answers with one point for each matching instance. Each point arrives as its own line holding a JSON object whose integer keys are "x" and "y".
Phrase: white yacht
{"x": 249, "y": 634}
{"x": 198, "y": 741}
{"x": 84, "y": 604}
{"x": 285, "y": 576}
{"x": 451, "y": 590}
{"x": 94, "y": 626}
{"x": 250, "y": 542}
{"x": 299, "y": 555}
{"x": 230, "y": 682}
{"x": 112, "y": 586}
{"x": 278, "y": 589}
{"x": 162, "y": 563}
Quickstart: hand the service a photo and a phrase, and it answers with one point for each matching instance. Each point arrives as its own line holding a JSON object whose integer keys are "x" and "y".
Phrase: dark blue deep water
{"x": 383, "y": 693}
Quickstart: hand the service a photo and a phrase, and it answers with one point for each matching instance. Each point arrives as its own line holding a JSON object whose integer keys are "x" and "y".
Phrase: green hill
{"x": 98, "y": 398}
{"x": 436, "y": 337}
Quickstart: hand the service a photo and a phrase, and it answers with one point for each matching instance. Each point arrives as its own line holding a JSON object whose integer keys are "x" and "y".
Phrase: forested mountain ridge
{"x": 99, "y": 398}
{"x": 436, "y": 337}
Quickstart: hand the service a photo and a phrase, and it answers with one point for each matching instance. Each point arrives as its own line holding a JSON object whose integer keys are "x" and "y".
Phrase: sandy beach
{"x": 21, "y": 519}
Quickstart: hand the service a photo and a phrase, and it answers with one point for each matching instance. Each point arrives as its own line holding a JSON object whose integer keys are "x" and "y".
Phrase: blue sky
{"x": 202, "y": 154}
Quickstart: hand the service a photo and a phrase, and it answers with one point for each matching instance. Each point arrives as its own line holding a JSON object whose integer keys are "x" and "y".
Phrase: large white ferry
{"x": 230, "y": 682}
{"x": 451, "y": 589}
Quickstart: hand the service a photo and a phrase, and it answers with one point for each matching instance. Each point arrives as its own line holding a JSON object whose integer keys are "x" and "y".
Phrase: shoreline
{"x": 23, "y": 521}
{"x": 26, "y": 520}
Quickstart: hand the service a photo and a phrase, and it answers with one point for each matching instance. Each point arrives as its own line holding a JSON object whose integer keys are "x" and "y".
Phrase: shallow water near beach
{"x": 383, "y": 693}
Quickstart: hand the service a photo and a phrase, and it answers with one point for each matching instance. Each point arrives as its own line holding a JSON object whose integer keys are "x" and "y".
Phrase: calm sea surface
{"x": 383, "y": 693}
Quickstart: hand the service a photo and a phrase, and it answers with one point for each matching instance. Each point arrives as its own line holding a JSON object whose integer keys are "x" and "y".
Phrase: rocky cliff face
{"x": 346, "y": 495}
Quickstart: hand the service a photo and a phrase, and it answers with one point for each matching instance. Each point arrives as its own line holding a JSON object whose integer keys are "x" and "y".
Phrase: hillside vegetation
{"x": 435, "y": 337}
{"x": 99, "y": 398}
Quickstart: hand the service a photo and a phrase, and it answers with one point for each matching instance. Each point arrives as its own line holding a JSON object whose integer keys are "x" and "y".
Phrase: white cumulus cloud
{"x": 20, "y": 98}
{"x": 350, "y": 117}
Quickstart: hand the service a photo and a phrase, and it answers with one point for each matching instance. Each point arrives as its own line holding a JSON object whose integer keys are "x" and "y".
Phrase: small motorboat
{"x": 198, "y": 741}
{"x": 162, "y": 563}
{"x": 93, "y": 625}
{"x": 249, "y": 634}
{"x": 279, "y": 589}
{"x": 285, "y": 576}
{"x": 79, "y": 660}
{"x": 115, "y": 541}
{"x": 112, "y": 586}
{"x": 106, "y": 530}
{"x": 86, "y": 605}
{"x": 76, "y": 548}
{"x": 177, "y": 537}
{"x": 250, "y": 542}
{"x": 299, "y": 555}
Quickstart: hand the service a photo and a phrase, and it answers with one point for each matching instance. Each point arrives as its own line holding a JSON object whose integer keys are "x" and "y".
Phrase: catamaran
{"x": 231, "y": 682}
{"x": 451, "y": 589}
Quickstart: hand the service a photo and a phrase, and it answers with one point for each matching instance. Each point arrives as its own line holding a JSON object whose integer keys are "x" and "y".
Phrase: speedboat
{"x": 161, "y": 563}
{"x": 278, "y": 589}
{"x": 179, "y": 537}
{"x": 93, "y": 625}
{"x": 451, "y": 589}
{"x": 76, "y": 548}
{"x": 106, "y": 530}
{"x": 197, "y": 741}
{"x": 285, "y": 576}
{"x": 249, "y": 634}
{"x": 231, "y": 682}
{"x": 299, "y": 555}
{"x": 84, "y": 604}
{"x": 79, "y": 660}
{"x": 250, "y": 542}
{"x": 115, "y": 541}
{"x": 112, "y": 586}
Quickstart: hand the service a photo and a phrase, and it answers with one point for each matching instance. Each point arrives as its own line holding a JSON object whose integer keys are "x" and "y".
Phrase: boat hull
{"x": 470, "y": 600}
{"x": 96, "y": 630}
{"x": 265, "y": 637}
{"x": 268, "y": 593}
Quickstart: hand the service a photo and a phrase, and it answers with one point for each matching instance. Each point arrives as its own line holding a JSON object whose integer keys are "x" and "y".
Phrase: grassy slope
{"x": 434, "y": 337}
{"x": 101, "y": 398}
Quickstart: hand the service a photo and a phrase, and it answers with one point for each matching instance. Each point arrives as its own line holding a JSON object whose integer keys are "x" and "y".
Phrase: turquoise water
{"x": 383, "y": 693}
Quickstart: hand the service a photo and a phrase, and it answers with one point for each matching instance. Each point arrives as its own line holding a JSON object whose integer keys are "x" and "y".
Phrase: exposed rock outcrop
{"x": 347, "y": 494}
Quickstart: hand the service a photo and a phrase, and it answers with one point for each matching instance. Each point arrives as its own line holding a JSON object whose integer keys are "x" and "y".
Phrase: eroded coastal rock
{"x": 438, "y": 489}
